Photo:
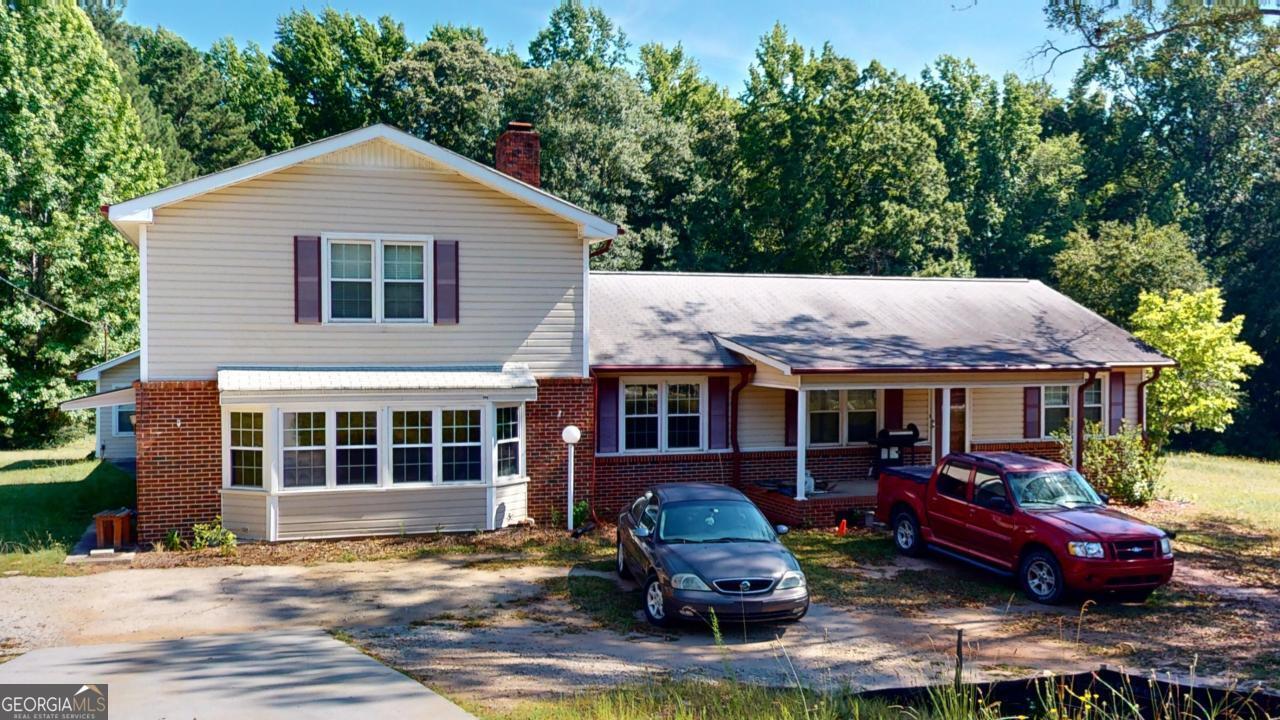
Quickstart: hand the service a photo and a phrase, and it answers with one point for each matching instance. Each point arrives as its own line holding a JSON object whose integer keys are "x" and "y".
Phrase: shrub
{"x": 1124, "y": 466}
{"x": 172, "y": 540}
{"x": 212, "y": 534}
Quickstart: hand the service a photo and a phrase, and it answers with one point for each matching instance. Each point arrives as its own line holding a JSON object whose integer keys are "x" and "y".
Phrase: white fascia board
{"x": 755, "y": 355}
{"x": 109, "y": 398}
{"x": 139, "y": 210}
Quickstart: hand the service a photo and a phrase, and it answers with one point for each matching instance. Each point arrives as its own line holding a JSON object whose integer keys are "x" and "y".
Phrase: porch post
{"x": 802, "y": 439}
{"x": 945, "y": 445}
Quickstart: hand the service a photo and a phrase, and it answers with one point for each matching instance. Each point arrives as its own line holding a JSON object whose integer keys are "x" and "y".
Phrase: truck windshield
{"x": 706, "y": 522}
{"x": 1049, "y": 488}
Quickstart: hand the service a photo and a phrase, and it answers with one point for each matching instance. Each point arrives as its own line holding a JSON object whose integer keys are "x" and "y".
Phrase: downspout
{"x": 1078, "y": 445}
{"x": 1142, "y": 399}
{"x": 606, "y": 245}
{"x": 744, "y": 377}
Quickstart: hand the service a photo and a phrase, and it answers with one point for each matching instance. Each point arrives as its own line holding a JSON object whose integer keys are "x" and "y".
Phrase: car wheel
{"x": 655, "y": 605}
{"x": 622, "y": 563}
{"x": 1042, "y": 578}
{"x": 906, "y": 534}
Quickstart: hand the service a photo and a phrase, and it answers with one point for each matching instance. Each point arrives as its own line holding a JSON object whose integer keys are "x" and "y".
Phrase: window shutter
{"x": 1031, "y": 412}
{"x": 893, "y": 409}
{"x": 606, "y": 415}
{"x": 1117, "y": 402}
{"x": 718, "y": 413}
{"x": 792, "y": 405}
{"x": 446, "y": 280}
{"x": 306, "y": 279}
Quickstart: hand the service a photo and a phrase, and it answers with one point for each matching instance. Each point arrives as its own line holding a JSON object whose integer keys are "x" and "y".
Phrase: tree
{"x": 450, "y": 90}
{"x": 331, "y": 64}
{"x": 258, "y": 91}
{"x": 1109, "y": 270}
{"x": 839, "y": 168}
{"x": 188, "y": 89}
{"x": 579, "y": 34}
{"x": 1203, "y": 391}
{"x": 69, "y": 142}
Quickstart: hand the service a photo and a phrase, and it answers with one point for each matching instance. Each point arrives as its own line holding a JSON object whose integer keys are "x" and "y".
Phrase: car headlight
{"x": 688, "y": 581}
{"x": 791, "y": 579}
{"x": 1166, "y": 547}
{"x": 1085, "y": 549}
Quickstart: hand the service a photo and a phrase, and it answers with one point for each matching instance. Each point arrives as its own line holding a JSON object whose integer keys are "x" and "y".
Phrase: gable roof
{"x": 140, "y": 210}
{"x": 96, "y": 371}
{"x": 812, "y": 324}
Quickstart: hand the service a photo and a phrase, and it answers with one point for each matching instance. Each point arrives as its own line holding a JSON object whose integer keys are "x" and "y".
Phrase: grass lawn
{"x": 1228, "y": 487}
{"x": 47, "y": 498}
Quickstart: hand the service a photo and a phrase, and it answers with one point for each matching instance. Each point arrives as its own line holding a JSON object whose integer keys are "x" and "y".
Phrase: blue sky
{"x": 999, "y": 35}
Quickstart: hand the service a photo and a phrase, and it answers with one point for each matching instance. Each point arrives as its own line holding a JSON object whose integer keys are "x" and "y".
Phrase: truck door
{"x": 948, "y": 505}
{"x": 991, "y": 521}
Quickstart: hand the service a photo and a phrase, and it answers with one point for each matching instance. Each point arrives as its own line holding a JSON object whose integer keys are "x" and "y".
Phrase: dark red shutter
{"x": 893, "y": 409}
{"x": 306, "y": 279}
{"x": 446, "y": 277}
{"x": 1117, "y": 402}
{"x": 606, "y": 415}
{"x": 718, "y": 409}
{"x": 1031, "y": 412}
{"x": 792, "y": 406}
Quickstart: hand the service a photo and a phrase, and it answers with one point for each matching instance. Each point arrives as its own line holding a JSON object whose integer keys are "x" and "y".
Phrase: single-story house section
{"x": 113, "y": 423}
{"x": 370, "y": 334}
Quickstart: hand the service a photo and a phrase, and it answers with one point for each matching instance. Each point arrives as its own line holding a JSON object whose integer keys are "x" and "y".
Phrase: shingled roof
{"x": 848, "y": 324}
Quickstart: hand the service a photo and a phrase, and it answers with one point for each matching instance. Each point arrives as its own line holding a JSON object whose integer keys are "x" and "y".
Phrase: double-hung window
{"x": 460, "y": 445}
{"x": 508, "y": 439}
{"x": 304, "y": 450}
{"x": 861, "y": 419}
{"x": 824, "y": 417}
{"x": 658, "y": 416}
{"x": 357, "y": 448}
{"x": 1093, "y": 401}
{"x": 246, "y": 449}
{"x": 843, "y": 417}
{"x": 411, "y": 446}
{"x": 1057, "y": 409}
{"x": 378, "y": 279}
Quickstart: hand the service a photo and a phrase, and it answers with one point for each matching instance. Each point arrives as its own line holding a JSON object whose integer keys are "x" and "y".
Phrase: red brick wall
{"x": 519, "y": 154}
{"x": 178, "y": 431}
{"x": 1046, "y": 449}
{"x": 561, "y": 402}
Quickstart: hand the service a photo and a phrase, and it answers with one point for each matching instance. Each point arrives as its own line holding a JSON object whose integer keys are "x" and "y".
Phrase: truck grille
{"x": 1133, "y": 550}
{"x": 734, "y": 586}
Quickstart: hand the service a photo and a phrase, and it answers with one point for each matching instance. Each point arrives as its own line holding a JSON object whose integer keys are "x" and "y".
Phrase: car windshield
{"x": 1052, "y": 488}
{"x": 707, "y": 522}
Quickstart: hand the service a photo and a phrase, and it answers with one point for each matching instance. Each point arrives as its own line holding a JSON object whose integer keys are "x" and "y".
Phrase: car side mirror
{"x": 1106, "y": 499}
{"x": 781, "y": 529}
{"x": 642, "y": 532}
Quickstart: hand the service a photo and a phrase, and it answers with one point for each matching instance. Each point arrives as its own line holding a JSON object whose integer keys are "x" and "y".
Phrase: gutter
{"x": 1078, "y": 410}
{"x": 607, "y": 245}
{"x": 744, "y": 376}
{"x": 1142, "y": 399}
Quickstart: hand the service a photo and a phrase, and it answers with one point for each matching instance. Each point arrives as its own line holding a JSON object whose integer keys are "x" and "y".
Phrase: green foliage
{"x": 576, "y": 34}
{"x": 258, "y": 92}
{"x": 1204, "y": 389}
{"x": 581, "y": 512}
{"x": 69, "y": 142}
{"x": 1107, "y": 271}
{"x": 173, "y": 540}
{"x": 1124, "y": 466}
{"x": 212, "y": 534}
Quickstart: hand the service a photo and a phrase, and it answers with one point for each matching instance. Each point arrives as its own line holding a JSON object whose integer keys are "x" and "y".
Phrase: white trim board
{"x": 140, "y": 210}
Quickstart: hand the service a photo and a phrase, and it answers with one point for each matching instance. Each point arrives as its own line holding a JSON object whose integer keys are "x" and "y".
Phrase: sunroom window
{"x": 357, "y": 442}
{"x": 460, "y": 445}
{"x": 508, "y": 437}
{"x": 411, "y": 446}
{"x": 304, "y": 449}
{"x": 246, "y": 449}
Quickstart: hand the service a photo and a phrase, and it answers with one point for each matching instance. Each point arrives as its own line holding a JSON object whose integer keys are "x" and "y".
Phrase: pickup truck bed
{"x": 915, "y": 473}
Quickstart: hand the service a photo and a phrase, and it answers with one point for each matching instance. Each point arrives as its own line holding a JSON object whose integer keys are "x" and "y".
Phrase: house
{"x": 113, "y": 439}
{"x": 370, "y": 334}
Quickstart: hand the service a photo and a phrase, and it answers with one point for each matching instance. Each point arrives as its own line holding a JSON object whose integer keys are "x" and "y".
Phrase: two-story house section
{"x": 367, "y": 334}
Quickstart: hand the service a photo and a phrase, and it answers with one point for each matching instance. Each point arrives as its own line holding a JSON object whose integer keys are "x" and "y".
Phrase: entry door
{"x": 959, "y": 419}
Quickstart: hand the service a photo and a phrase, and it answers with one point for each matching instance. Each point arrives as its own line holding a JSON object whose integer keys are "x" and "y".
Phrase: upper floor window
{"x": 374, "y": 279}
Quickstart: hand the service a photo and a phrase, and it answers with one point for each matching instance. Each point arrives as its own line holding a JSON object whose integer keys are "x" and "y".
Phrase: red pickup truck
{"x": 1021, "y": 516}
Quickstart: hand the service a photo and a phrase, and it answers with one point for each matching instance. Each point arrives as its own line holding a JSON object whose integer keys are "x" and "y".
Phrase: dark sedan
{"x": 696, "y": 547}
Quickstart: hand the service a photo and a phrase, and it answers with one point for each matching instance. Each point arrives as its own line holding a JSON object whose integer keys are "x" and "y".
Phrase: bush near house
{"x": 1124, "y": 465}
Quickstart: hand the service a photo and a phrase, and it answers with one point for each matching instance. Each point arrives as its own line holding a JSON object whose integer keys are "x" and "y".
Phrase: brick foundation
{"x": 561, "y": 402}
{"x": 179, "y": 436}
{"x": 1046, "y": 449}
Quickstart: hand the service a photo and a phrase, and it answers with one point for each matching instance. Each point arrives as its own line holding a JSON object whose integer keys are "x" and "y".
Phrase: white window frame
{"x": 662, "y": 383}
{"x": 378, "y": 241}
{"x": 843, "y": 411}
{"x": 1102, "y": 404}
{"x": 377, "y": 447}
{"x": 1044, "y": 407}
{"x": 115, "y": 414}
{"x": 839, "y": 413}
{"x": 433, "y": 446}
{"x": 330, "y": 453}
{"x": 878, "y": 397}
{"x": 480, "y": 443}
{"x": 261, "y": 449}
{"x": 518, "y": 440}
{"x": 666, "y": 415}
{"x": 270, "y": 448}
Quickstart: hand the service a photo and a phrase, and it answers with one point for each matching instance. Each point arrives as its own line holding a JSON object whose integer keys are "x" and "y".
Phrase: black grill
{"x": 1133, "y": 550}
{"x": 734, "y": 585}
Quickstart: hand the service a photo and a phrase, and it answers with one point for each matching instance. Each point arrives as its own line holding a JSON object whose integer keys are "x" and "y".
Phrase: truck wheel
{"x": 906, "y": 534}
{"x": 1041, "y": 577}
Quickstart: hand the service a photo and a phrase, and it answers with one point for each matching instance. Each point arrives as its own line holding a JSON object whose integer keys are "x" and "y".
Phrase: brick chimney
{"x": 519, "y": 153}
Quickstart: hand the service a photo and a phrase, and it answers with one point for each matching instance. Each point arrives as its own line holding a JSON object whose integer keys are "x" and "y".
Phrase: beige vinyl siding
{"x": 511, "y": 504}
{"x": 220, "y": 271}
{"x": 762, "y": 421}
{"x": 347, "y": 513}
{"x": 996, "y": 414}
{"x": 915, "y": 409}
{"x": 766, "y": 375}
{"x": 244, "y": 512}
{"x": 111, "y": 445}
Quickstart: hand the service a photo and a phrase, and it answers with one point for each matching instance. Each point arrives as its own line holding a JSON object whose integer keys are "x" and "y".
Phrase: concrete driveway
{"x": 282, "y": 674}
